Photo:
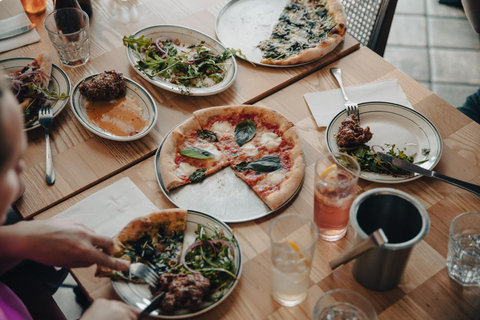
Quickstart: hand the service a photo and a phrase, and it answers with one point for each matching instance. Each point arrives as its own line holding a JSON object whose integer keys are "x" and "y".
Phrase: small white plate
{"x": 186, "y": 36}
{"x": 135, "y": 91}
{"x": 393, "y": 124}
{"x": 60, "y": 83}
{"x": 139, "y": 295}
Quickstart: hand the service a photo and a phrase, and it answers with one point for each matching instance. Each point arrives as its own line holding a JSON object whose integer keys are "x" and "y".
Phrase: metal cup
{"x": 405, "y": 223}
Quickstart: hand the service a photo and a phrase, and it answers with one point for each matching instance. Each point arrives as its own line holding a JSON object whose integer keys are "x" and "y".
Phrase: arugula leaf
{"x": 137, "y": 43}
{"x": 265, "y": 164}
{"x": 196, "y": 153}
{"x": 244, "y": 132}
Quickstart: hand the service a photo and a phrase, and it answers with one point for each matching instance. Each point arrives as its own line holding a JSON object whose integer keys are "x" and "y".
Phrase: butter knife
{"x": 429, "y": 173}
{"x": 16, "y": 32}
{"x": 152, "y": 306}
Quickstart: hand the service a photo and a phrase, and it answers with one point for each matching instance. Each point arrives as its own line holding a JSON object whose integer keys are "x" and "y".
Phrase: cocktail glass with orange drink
{"x": 292, "y": 238}
{"x": 336, "y": 176}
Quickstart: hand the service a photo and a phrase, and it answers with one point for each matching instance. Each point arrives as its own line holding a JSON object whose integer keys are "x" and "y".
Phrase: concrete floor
{"x": 435, "y": 45}
{"x": 432, "y": 43}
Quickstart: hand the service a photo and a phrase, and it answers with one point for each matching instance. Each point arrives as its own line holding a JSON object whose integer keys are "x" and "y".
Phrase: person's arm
{"x": 472, "y": 10}
{"x": 61, "y": 243}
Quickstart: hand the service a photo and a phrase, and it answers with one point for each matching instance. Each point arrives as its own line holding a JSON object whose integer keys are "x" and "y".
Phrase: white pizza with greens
{"x": 306, "y": 30}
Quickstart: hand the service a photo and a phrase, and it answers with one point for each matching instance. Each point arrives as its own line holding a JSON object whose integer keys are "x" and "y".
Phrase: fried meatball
{"x": 108, "y": 85}
{"x": 350, "y": 134}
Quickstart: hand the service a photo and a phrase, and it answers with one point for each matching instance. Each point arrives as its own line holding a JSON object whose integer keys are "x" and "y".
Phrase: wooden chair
{"x": 369, "y": 21}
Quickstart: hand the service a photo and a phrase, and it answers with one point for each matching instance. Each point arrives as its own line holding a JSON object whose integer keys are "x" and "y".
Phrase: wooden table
{"x": 81, "y": 158}
{"x": 426, "y": 291}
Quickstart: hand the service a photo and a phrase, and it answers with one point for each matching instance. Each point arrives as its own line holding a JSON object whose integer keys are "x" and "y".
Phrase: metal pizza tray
{"x": 223, "y": 195}
{"x": 242, "y": 24}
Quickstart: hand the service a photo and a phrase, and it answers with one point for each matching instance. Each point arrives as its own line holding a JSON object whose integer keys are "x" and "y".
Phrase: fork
{"x": 45, "y": 117}
{"x": 351, "y": 107}
{"x": 145, "y": 273}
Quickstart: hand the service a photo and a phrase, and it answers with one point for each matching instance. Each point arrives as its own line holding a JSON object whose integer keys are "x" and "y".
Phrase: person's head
{"x": 13, "y": 144}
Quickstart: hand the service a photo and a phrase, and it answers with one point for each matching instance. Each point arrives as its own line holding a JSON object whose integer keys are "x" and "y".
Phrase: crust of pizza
{"x": 169, "y": 152}
{"x": 295, "y": 175}
{"x": 267, "y": 114}
{"x": 335, "y": 37}
{"x": 167, "y": 161}
{"x": 44, "y": 61}
{"x": 173, "y": 220}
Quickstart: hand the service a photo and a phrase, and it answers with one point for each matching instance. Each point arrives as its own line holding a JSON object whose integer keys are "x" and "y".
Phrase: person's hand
{"x": 63, "y": 243}
{"x": 109, "y": 309}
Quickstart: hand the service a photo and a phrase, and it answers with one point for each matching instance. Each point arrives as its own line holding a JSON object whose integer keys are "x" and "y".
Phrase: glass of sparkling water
{"x": 463, "y": 260}
{"x": 292, "y": 241}
{"x": 69, "y": 31}
{"x": 343, "y": 304}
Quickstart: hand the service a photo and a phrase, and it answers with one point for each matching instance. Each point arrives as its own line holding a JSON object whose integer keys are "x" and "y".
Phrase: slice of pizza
{"x": 307, "y": 30}
{"x": 278, "y": 172}
{"x": 155, "y": 239}
{"x": 189, "y": 154}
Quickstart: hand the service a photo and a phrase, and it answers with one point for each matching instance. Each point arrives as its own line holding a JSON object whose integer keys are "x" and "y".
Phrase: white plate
{"x": 135, "y": 91}
{"x": 242, "y": 24}
{"x": 393, "y": 124}
{"x": 186, "y": 36}
{"x": 60, "y": 83}
{"x": 139, "y": 296}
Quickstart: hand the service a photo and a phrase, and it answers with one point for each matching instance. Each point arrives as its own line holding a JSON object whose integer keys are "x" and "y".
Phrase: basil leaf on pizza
{"x": 207, "y": 135}
{"x": 198, "y": 175}
{"x": 196, "y": 153}
{"x": 265, "y": 164}
{"x": 244, "y": 132}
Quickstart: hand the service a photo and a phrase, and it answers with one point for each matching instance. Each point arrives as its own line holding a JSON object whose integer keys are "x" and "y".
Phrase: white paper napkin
{"x": 325, "y": 105}
{"x": 12, "y": 23}
{"x": 110, "y": 209}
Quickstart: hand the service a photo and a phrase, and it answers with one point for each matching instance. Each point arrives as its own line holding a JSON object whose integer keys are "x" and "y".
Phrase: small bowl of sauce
{"x": 124, "y": 119}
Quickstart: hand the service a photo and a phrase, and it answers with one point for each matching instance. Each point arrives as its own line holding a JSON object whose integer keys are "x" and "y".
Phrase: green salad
{"x": 213, "y": 257}
{"x": 192, "y": 66}
{"x": 370, "y": 162}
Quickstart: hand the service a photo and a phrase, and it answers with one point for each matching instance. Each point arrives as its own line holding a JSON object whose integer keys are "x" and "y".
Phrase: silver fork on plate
{"x": 148, "y": 275}
{"x": 145, "y": 273}
{"x": 45, "y": 117}
{"x": 351, "y": 107}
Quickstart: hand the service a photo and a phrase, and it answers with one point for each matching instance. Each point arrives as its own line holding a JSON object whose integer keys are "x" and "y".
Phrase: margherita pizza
{"x": 307, "y": 30}
{"x": 260, "y": 144}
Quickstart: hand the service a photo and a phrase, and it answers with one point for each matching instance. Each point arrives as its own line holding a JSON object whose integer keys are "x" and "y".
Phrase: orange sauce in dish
{"x": 122, "y": 117}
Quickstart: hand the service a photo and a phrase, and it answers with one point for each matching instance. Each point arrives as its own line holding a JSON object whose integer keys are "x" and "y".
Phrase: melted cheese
{"x": 250, "y": 149}
{"x": 222, "y": 126}
{"x": 270, "y": 140}
{"x": 185, "y": 169}
{"x": 276, "y": 177}
{"x": 210, "y": 148}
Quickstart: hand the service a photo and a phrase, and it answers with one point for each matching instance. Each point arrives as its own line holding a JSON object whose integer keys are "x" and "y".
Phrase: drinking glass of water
{"x": 69, "y": 31}
{"x": 463, "y": 260}
{"x": 343, "y": 304}
{"x": 293, "y": 239}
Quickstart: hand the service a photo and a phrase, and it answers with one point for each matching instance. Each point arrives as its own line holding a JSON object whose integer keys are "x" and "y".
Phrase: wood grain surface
{"x": 82, "y": 159}
{"x": 426, "y": 291}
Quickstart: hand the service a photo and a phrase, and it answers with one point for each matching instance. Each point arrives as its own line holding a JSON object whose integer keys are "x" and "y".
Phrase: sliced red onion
{"x": 225, "y": 242}
{"x": 376, "y": 145}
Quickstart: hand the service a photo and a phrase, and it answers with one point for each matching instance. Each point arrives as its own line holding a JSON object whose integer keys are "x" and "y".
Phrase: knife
{"x": 16, "y": 32}
{"x": 429, "y": 173}
{"x": 152, "y": 306}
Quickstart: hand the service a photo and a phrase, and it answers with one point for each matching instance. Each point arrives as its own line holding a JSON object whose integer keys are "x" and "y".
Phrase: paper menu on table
{"x": 324, "y": 105}
{"x": 107, "y": 211}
